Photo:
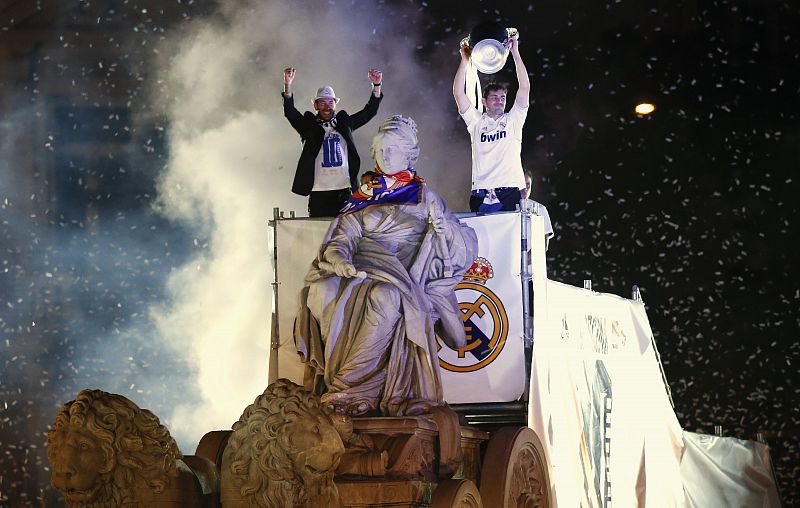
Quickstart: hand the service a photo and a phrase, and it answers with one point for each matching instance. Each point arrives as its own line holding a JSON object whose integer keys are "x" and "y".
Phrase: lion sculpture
{"x": 105, "y": 451}
{"x": 283, "y": 452}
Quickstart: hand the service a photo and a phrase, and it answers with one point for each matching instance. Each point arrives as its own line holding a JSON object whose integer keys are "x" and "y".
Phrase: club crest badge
{"x": 485, "y": 322}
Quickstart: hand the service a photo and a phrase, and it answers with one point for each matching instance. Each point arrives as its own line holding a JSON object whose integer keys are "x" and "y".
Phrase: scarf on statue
{"x": 401, "y": 188}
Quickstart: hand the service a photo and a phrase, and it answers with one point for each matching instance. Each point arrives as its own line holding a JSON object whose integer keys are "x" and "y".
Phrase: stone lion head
{"x": 105, "y": 451}
{"x": 283, "y": 451}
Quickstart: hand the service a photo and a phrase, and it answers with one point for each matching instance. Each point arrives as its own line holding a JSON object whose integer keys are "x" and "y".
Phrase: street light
{"x": 644, "y": 108}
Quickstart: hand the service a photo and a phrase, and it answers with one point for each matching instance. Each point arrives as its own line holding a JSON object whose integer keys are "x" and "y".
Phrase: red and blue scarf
{"x": 403, "y": 188}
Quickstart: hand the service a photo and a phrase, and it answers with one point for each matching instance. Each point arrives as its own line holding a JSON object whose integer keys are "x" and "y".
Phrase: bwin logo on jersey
{"x": 485, "y": 321}
{"x": 492, "y": 137}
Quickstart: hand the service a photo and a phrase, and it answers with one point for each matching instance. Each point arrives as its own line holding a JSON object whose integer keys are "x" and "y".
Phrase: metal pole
{"x": 636, "y": 296}
{"x": 527, "y": 276}
{"x": 527, "y": 282}
{"x": 275, "y": 341}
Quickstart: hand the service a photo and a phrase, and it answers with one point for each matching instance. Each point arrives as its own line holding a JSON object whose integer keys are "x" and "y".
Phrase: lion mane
{"x": 264, "y": 458}
{"x": 139, "y": 452}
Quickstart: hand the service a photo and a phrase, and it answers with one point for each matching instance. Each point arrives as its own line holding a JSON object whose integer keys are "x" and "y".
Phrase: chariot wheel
{"x": 212, "y": 445}
{"x": 514, "y": 472}
{"x": 456, "y": 494}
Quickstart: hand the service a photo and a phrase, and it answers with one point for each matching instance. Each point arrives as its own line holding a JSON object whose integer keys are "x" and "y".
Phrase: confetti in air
{"x": 143, "y": 148}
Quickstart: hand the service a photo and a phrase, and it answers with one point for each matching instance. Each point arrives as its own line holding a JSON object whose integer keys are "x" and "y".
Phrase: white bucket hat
{"x": 326, "y": 92}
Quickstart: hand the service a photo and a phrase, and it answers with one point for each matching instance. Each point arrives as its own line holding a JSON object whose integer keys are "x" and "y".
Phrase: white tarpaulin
{"x": 599, "y": 404}
{"x": 724, "y": 472}
{"x": 297, "y": 243}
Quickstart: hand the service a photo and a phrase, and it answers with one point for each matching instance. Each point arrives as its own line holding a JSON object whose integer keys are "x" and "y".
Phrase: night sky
{"x": 143, "y": 150}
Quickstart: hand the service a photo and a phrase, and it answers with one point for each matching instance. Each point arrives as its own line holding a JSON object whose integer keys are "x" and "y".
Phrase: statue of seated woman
{"x": 382, "y": 288}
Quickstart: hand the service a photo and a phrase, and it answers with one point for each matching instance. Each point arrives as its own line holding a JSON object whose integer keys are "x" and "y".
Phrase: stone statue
{"x": 105, "y": 451}
{"x": 382, "y": 288}
{"x": 283, "y": 452}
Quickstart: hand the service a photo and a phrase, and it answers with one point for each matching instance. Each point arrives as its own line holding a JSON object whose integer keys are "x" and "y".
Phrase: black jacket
{"x": 312, "y": 134}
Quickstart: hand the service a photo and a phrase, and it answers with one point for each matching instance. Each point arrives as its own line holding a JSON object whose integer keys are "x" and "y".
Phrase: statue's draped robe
{"x": 369, "y": 342}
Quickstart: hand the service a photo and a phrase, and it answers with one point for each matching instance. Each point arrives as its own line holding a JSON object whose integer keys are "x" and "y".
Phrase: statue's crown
{"x": 480, "y": 271}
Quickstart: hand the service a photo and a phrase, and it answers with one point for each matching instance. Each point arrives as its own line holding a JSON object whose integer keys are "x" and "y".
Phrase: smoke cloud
{"x": 233, "y": 156}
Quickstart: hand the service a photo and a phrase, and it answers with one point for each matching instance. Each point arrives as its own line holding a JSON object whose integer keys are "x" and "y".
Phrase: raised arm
{"x": 288, "y": 78}
{"x": 460, "y": 81}
{"x": 524, "y": 91}
{"x": 376, "y": 78}
{"x": 289, "y": 111}
{"x": 371, "y": 108}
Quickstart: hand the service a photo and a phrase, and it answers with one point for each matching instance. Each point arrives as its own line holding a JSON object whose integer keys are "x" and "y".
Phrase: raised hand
{"x": 375, "y": 76}
{"x": 288, "y": 75}
{"x": 465, "y": 51}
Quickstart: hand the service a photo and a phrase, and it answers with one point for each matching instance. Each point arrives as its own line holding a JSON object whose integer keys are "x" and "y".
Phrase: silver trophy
{"x": 488, "y": 44}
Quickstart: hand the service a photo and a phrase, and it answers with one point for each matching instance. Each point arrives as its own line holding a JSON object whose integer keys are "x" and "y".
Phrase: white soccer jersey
{"x": 496, "y": 148}
{"x": 331, "y": 171}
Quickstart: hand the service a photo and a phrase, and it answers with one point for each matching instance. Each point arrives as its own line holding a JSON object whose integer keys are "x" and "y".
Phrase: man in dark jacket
{"x": 329, "y": 163}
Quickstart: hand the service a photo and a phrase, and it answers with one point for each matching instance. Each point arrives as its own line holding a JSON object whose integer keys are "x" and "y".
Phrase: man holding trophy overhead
{"x": 497, "y": 175}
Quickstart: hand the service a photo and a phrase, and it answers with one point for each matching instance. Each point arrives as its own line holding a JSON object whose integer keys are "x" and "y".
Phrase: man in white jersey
{"x": 329, "y": 163}
{"x": 497, "y": 176}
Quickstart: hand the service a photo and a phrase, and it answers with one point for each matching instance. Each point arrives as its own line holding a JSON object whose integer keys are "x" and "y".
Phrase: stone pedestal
{"x": 412, "y": 470}
{"x": 410, "y": 443}
{"x": 471, "y": 440}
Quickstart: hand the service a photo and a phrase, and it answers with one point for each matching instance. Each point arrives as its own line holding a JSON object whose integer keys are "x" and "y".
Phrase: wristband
{"x": 376, "y": 84}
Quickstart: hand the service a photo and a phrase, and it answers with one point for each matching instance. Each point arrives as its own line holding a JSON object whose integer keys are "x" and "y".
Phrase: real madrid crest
{"x": 485, "y": 322}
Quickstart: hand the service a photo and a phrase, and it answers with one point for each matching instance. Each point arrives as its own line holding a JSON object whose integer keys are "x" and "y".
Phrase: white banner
{"x": 600, "y": 404}
{"x": 297, "y": 243}
{"x": 491, "y": 368}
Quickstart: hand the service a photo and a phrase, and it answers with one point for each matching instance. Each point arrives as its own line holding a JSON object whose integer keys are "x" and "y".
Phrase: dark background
{"x": 695, "y": 203}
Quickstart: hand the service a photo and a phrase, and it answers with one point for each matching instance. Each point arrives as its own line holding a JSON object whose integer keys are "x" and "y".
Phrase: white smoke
{"x": 232, "y": 160}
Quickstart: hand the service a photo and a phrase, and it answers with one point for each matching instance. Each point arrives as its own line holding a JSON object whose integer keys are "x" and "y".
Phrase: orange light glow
{"x": 644, "y": 108}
